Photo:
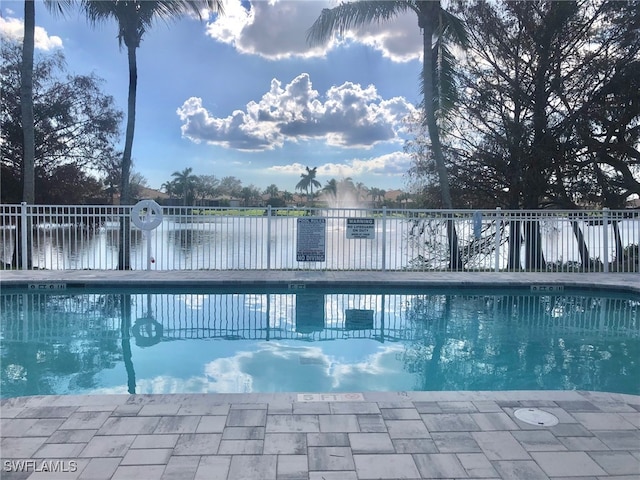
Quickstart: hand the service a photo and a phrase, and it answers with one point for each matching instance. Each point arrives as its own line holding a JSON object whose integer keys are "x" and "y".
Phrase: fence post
{"x": 605, "y": 239}
{"x": 498, "y": 237}
{"x": 268, "y": 237}
{"x": 23, "y": 236}
{"x": 384, "y": 238}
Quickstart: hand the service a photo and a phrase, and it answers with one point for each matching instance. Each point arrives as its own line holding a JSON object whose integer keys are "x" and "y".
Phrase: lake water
{"x": 246, "y": 242}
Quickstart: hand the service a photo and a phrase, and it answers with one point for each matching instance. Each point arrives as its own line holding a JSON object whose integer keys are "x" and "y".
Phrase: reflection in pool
{"x": 85, "y": 342}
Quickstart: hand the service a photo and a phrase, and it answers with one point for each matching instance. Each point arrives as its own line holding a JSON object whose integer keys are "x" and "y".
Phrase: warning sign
{"x": 361, "y": 228}
{"x": 311, "y": 240}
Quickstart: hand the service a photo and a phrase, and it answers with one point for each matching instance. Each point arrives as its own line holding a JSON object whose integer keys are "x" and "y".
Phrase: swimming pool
{"x": 191, "y": 340}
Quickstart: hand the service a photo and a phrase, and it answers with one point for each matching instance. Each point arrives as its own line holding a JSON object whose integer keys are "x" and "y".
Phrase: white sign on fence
{"x": 311, "y": 240}
{"x": 361, "y": 228}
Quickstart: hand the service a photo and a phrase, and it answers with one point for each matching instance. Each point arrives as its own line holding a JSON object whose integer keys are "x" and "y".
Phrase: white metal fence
{"x": 188, "y": 238}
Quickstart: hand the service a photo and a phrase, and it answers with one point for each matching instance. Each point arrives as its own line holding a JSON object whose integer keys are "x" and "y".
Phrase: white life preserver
{"x": 146, "y": 215}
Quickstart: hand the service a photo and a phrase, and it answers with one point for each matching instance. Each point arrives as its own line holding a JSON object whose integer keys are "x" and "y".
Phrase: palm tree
{"x": 26, "y": 94}
{"x": 134, "y": 18}
{"x": 26, "y": 111}
{"x": 169, "y": 187}
{"x": 272, "y": 190}
{"x": 287, "y": 197}
{"x": 308, "y": 181}
{"x": 26, "y": 103}
{"x": 377, "y": 194}
{"x": 249, "y": 194}
{"x": 438, "y": 88}
{"x": 361, "y": 191}
{"x": 331, "y": 189}
{"x": 403, "y": 197}
{"x": 185, "y": 183}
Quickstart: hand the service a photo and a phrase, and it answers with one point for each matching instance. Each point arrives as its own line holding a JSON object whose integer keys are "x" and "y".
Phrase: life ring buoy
{"x": 147, "y": 332}
{"x": 146, "y": 215}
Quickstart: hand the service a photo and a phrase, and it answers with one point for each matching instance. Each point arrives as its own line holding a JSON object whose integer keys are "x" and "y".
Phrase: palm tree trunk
{"x": 125, "y": 190}
{"x": 124, "y": 253}
{"x": 28, "y": 121}
{"x": 125, "y": 332}
{"x": 428, "y": 22}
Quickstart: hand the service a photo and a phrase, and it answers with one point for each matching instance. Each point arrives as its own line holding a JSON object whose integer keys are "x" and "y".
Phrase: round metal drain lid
{"x": 534, "y": 416}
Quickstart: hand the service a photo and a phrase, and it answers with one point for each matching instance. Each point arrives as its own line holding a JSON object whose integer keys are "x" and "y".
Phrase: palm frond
{"x": 445, "y": 92}
{"x": 135, "y": 17}
{"x": 59, "y": 7}
{"x": 339, "y": 19}
{"x": 453, "y": 29}
{"x": 444, "y": 79}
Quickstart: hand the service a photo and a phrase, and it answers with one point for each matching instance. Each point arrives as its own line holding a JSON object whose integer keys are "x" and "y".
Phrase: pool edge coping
{"x": 622, "y": 282}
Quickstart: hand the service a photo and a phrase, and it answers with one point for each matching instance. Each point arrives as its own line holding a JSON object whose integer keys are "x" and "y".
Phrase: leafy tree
{"x": 75, "y": 124}
{"x": 206, "y": 186}
{"x": 308, "y": 181}
{"x": 68, "y": 184}
{"x": 137, "y": 183}
{"x": 230, "y": 186}
{"x": 110, "y": 166}
{"x": 548, "y": 121}
{"x": 550, "y": 115}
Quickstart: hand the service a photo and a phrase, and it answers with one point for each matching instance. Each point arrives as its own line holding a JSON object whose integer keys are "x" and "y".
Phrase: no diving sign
{"x": 361, "y": 228}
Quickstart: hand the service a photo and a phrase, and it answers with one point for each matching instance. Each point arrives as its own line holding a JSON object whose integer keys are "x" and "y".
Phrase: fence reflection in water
{"x": 66, "y": 343}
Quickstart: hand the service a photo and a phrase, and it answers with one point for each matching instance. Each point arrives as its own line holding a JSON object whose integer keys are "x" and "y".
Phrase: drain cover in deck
{"x": 534, "y": 416}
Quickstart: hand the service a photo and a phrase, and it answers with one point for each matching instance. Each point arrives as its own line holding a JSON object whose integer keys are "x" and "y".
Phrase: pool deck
{"x": 331, "y": 436}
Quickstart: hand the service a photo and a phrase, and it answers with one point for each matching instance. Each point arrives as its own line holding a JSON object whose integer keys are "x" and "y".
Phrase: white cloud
{"x": 13, "y": 28}
{"x": 278, "y": 29}
{"x": 273, "y": 30}
{"x": 392, "y": 164}
{"x": 348, "y": 116}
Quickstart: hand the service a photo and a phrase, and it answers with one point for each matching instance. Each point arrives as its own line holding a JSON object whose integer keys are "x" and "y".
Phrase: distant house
{"x": 151, "y": 194}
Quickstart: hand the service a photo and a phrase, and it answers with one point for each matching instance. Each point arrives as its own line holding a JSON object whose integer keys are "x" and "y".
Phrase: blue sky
{"x": 244, "y": 94}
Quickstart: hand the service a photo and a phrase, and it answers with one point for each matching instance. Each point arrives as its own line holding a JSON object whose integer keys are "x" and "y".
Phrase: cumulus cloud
{"x": 347, "y": 116}
{"x": 13, "y": 28}
{"x": 392, "y": 164}
{"x": 278, "y": 29}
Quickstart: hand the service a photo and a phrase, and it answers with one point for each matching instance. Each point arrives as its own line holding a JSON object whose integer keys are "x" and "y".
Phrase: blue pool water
{"x": 312, "y": 340}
